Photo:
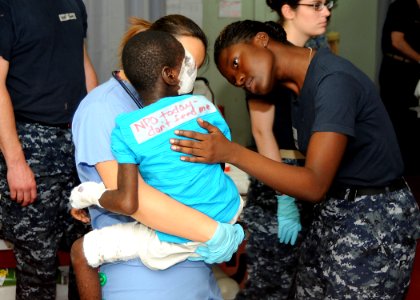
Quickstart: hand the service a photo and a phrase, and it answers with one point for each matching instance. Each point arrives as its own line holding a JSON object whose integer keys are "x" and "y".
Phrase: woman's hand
{"x": 80, "y": 215}
{"x": 204, "y": 148}
{"x": 223, "y": 244}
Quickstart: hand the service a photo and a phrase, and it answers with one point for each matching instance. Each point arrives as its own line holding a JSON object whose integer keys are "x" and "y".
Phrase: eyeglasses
{"x": 318, "y": 6}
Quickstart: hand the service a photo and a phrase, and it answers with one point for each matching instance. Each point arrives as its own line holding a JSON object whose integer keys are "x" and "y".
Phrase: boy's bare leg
{"x": 86, "y": 277}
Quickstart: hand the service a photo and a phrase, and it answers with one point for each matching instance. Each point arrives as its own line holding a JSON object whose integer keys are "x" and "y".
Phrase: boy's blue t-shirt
{"x": 142, "y": 137}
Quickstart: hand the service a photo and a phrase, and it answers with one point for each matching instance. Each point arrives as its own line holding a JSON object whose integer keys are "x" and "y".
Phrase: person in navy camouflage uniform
{"x": 362, "y": 241}
{"x": 45, "y": 72}
{"x": 272, "y": 265}
{"x": 40, "y": 229}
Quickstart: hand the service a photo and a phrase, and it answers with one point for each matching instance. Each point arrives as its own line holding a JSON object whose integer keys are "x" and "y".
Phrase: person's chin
{"x": 262, "y": 89}
{"x": 252, "y": 90}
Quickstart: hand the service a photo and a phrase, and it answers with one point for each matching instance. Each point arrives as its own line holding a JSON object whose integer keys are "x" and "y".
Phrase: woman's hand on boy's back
{"x": 203, "y": 148}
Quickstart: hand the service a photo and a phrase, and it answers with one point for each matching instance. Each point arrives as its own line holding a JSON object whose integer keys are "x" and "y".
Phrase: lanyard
{"x": 125, "y": 87}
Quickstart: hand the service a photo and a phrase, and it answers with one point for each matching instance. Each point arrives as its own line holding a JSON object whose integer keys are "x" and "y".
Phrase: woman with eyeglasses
{"x": 272, "y": 255}
{"x": 362, "y": 241}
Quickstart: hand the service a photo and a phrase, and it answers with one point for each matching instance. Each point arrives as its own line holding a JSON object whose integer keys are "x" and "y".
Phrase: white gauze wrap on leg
{"x": 113, "y": 243}
{"x": 133, "y": 240}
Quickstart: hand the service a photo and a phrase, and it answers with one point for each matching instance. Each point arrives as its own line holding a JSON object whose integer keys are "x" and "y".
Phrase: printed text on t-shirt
{"x": 170, "y": 117}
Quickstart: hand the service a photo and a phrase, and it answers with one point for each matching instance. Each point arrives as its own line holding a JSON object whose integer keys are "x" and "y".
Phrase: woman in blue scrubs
{"x": 92, "y": 126}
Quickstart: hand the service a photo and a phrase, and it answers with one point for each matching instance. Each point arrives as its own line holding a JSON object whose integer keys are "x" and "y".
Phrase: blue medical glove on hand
{"x": 222, "y": 245}
{"x": 288, "y": 218}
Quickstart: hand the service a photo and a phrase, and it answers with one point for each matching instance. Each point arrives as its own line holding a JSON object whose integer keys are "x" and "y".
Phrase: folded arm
{"x": 399, "y": 43}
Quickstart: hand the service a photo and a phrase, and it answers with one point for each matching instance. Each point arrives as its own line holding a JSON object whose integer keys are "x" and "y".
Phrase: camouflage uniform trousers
{"x": 360, "y": 249}
{"x": 271, "y": 265}
{"x": 40, "y": 229}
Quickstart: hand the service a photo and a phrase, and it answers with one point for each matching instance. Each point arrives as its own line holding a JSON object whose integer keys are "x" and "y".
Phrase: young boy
{"x": 140, "y": 141}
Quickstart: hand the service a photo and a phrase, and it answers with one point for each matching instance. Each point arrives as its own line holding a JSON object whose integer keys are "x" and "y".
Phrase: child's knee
{"x": 76, "y": 253}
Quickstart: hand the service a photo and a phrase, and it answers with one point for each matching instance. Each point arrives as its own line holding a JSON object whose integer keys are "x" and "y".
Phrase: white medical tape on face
{"x": 187, "y": 75}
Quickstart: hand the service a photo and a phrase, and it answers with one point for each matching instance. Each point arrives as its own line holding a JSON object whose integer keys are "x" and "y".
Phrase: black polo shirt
{"x": 403, "y": 16}
{"x": 43, "y": 42}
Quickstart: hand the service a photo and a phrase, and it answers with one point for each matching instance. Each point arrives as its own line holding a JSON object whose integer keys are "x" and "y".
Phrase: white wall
{"x": 357, "y": 23}
{"x": 107, "y": 22}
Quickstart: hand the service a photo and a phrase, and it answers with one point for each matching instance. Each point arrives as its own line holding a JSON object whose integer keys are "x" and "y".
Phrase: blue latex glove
{"x": 222, "y": 245}
{"x": 288, "y": 219}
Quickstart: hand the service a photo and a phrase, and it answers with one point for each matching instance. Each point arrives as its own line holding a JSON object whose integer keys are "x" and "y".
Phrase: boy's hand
{"x": 80, "y": 215}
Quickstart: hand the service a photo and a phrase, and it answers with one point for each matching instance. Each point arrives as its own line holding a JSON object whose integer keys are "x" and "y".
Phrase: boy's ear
{"x": 170, "y": 76}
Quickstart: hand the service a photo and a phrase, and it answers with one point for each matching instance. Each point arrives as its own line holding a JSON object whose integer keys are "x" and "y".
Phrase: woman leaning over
{"x": 362, "y": 241}
{"x": 271, "y": 259}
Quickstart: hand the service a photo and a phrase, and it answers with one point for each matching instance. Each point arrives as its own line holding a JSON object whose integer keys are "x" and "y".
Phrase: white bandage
{"x": 187, "y": 74}
{"x": 111, "y": 243}
{"x": 87, "y": 194}
{"x": 417, "y": 90}
{"x": 133, "y": 240}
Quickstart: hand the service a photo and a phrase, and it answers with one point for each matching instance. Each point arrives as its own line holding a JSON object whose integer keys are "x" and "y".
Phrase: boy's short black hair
{"x": 146, "y": 54}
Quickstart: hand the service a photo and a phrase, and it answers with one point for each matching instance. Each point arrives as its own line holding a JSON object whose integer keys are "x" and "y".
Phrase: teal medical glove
{"x": 288, "y": 219}
{"x": 222, "y": 245}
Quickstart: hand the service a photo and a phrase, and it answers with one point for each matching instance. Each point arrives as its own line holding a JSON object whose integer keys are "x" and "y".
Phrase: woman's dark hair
{"x": 177, "y": 25}
{"x": 277, "y": 4}
{"x": 146, "y": 54}
{"x": 244, "y": 32}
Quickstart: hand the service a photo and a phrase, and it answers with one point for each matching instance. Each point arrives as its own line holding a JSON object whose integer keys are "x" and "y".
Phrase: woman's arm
{"x": 262, "y": 119}
{"x": 159, "y": 211}
{"x": 310, "y": 182}
{"x": 90, "y": 74}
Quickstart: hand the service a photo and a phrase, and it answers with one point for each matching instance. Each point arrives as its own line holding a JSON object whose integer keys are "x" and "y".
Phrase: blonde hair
{"x": 177, "y": 25}
{"x": 136, "y": 25}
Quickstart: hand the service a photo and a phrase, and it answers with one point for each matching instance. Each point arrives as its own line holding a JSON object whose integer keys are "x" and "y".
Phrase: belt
{"x": 352, "y": 192}
{"x": 291, "y": 154}
{"x": 56, "y": 125}
{"x": 400, "y": 58}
